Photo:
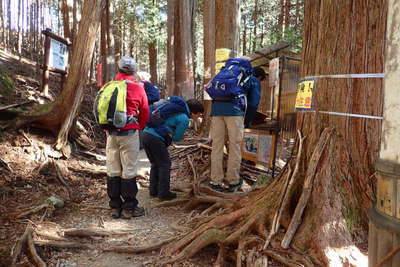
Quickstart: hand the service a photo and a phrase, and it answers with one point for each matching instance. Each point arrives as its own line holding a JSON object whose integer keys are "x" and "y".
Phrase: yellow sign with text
{"x": 304, "y": 94}
{"x": 221, "y": 55}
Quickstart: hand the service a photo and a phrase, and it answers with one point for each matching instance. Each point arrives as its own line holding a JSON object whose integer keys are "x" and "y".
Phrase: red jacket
{"x": 136, "y": 102}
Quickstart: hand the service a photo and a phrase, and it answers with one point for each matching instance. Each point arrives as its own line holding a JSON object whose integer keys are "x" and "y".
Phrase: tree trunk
{"x": 153, "y": 61}
{"x": 255, "y": 21}
{"x": 66, "y": 19}
{"x": 331, "y": 186}
{"x": 2, "y": 24}
{"x": 59, "y": 115}
{"x": 341, "y": 45}
{"x": 227, "y": 25}
{"x": 171, "y": 42}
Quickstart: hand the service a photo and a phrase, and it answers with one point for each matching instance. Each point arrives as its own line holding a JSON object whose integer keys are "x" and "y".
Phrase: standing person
{"x": 122, "y": 147}
{"x": 229, "y": 115}
{"x": 152, "y": 92}
{"x": 156, "y": 140}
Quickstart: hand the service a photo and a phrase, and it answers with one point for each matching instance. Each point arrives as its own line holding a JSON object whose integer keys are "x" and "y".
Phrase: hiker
{"x": 153, "y": 95}
{"x": 168, "y": 121}
{"x": 228, "y": 115}
{"x": 152, "y": 91}
{"x": 122, "y": 147}
{"x": 253, "y": 86}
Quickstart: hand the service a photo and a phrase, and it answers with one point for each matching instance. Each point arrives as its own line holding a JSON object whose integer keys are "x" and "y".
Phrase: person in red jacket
{"x": 122, "y": 147}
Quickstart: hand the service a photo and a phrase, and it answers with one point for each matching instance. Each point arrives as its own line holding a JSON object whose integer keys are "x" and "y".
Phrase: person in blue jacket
{"x": 156, "y": 145}
{"x": 253, "y": 87}
{"x": 229, "y": 116}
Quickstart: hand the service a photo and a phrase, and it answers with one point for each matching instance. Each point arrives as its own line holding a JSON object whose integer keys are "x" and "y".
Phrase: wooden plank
{"x": 372, "y": 244}
{"x": 396, "y": 257}
{"x": 385, "y": 245}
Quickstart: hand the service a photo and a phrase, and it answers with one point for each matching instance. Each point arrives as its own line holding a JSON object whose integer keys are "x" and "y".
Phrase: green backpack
{"x": 110, "y": 106}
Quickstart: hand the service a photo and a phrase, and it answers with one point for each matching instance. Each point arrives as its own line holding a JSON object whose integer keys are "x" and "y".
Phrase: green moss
{"x": 41, "y": 109}
{"x": 263, "y": 180}
{"x": 6, "y": 85}
{"x": 352, "y": 217}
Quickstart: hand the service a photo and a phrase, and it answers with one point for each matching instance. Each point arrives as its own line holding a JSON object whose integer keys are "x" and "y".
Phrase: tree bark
{"x": 153, "y": 61}
{"x": 171, "y": 42}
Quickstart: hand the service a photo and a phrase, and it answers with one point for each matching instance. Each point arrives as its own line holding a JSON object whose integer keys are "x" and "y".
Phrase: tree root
{"x": 208, "y": 237}
{"x": 242, "y": 245}
{"x": 170, "y": 203}
{"x": 220, "y": 222}
{"x": 26, "y": 244}
{"x": 282, "y": 259}
{"x": 89, "y": 232}
{"x": 220, "y": 262}
{"x": 61, "y": 244}
{"x": 234, "y": 237}
{"x": 134, "y": 250}
{"x": 308, "y": 184}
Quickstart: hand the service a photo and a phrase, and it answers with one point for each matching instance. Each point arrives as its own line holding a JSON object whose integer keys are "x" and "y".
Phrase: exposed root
{"x": 61, "y": 244}
{"x": 26, "y": 244}
{"x": 241, "y": 247}
{"x": 308, "y": 184}
{"x": 282, "y": 259}
{"x": 220, "y": 262}
{"x": 135, "y": 250}
{"x": 234, "y": 237}
{"x": 219, "y": 222}
{"x": 89, "y": 232}
{"x": 208, "y": 237}
{"x": 170, "y": 203}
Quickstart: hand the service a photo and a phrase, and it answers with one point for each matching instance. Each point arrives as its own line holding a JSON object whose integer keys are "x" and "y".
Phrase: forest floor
{"x": 26, "y": 182}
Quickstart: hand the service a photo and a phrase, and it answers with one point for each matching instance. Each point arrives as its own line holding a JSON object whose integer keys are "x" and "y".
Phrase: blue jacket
{"x": 176, "y": 125}
{"x": 237, "y": 107}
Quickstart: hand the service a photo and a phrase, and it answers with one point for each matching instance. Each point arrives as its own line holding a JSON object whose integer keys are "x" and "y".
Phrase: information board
{"x": 58, "y": 57}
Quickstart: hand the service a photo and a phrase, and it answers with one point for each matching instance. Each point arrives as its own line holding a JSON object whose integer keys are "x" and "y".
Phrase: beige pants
{"x": 122, "y": 155}
{"x": 235, "y": 127}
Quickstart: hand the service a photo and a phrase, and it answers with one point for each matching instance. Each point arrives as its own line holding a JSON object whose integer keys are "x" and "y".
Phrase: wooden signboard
{"x": 259, "y": 146}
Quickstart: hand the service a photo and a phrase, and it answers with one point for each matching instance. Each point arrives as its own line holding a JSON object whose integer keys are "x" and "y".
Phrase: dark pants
{"x": 158, "y": 155}
{"x": 122, "y": 193}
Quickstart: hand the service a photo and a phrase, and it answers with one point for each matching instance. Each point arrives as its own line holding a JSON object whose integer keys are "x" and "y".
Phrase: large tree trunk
{"x": 171, "y": 43}
{"x": 325, "y": 198}
{"x": 344, "y": 184}
{"x": 59, "y": 116}
{"x": 153, "y": 61}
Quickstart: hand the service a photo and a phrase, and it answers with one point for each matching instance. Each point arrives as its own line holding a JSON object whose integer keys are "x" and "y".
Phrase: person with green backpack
{"x": 122, "y": 110}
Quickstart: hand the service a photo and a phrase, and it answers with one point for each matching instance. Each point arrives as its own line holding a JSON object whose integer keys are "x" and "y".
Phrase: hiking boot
{"x": 115, "y": 213}
{"x": 167, "y": 196}
{"x": 136, "y": 212}
{"x": 235, "y": 187}
{"x": 217, "y": 187}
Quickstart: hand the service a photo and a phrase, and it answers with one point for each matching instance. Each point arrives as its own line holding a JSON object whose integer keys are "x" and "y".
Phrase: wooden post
{"x": 46, "y": 72}
{"x": 384, "y": 226}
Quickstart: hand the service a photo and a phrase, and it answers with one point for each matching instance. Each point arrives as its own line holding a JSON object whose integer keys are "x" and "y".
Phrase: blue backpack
{"x": 152, "y": 92}
{"x": 228, "y": 83}
{"x": 162, "y": 110}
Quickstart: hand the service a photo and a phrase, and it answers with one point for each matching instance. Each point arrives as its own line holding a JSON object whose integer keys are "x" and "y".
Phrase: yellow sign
{"x": 221, "y": 55}
{"x": 304, "y": 94}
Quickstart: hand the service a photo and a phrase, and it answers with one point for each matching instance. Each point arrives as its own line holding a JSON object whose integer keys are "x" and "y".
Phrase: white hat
{"x": 143, "y": 76}
{"x": 127, "y": 65}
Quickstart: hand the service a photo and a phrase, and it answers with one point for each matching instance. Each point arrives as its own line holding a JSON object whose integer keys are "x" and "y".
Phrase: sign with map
{"x": 58, "y": 57}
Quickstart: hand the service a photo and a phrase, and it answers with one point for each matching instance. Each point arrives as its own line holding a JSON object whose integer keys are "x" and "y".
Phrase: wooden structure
{"x": 384, "y": 224}
{"x": 55, "y": 58}
{"x": 276, "y": 115}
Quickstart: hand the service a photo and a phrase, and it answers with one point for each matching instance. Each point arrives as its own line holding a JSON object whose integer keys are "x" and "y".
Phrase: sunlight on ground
{"x": 338, "y": 257}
